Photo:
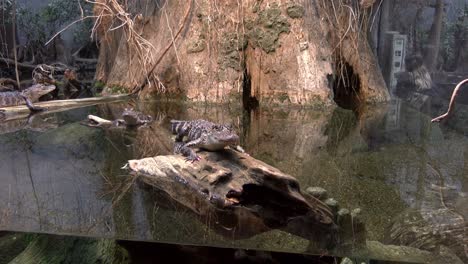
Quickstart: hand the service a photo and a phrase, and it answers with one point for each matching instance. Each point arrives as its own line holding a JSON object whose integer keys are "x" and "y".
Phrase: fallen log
{"x": 20, "y": 64}
{"x": 31, "y": 66}
{"x": 85, "y": 60}
{"x": 22, "y": 111}
{"x": 7, "y": 81}
{"x": 245, "y": 195}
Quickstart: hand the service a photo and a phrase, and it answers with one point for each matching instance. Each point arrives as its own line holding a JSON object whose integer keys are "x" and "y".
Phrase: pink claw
{"x": 197, "y": 158}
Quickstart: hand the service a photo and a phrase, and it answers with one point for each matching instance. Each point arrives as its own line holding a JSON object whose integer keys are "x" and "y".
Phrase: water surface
{"x": 58, "y": 176}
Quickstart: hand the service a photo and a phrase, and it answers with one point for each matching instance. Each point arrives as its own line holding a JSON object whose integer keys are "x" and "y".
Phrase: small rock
{"x": 346, "y": 261}
{"x": 356, "y": 212}
{"x": 317, "y": 192}
{"x": 331, "y": 202}
{"x": 343, "y": 212}
{"x": 344, "y": 219}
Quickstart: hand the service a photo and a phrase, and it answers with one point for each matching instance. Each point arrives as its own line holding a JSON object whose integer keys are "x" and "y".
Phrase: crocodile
{"x": 43, "y": 83}
{"x": 43, "y": 74}
{"x": 134, "y": 118}
{"x": 202, "y": 134}
{"x": 27, "y": 96}
{"x": 130, "y": 119}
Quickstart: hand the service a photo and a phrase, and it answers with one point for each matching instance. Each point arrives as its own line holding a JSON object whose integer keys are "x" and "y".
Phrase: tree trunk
{"x": 416, "y": 38}
{"x": 384, "y": 26}
{"x": 6, "y": 31}
{"x": 432, "y": 50}
{"x": 462, "y": 52}
{"x": 271, "y": 53}
{"x": 462, "y": 66}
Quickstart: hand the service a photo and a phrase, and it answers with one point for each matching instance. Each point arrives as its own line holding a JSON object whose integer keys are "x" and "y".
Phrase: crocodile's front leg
{"x": 186, "y": 151}
{"x": 30, "y": 105}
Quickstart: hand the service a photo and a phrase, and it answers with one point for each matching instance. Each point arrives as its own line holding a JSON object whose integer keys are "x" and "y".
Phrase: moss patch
{"x": 231, "y": 60}
{"x": 98, "y": 85}
{"x": 234, "y": 97}
{"x": 196, "y": 46}
{"x": 283, "y": 97}
{"x": 295, "y": 11}
{"x": 265, "y": 30}
{"x": 115, "y": 89}
{"x": 231, "y": 44}
{"x": 262, "y": 32}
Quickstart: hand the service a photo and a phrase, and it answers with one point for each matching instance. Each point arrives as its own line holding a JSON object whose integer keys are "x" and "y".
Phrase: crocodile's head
{"x": 38, "y": 90}
{"x": 135, "y": 118}
{"x": 219, "y": 137}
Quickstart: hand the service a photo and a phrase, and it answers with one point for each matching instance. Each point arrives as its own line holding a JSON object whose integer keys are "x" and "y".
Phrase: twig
{"x": 375, "y": 15}
{"x": 172, "y": 36}
{"x": 85, "y": 60}
{"x": 19, "y": 64}
{"x": 452, "y": 102}
{"x": 66, "y": 27}
{"x": 14, "y": 43}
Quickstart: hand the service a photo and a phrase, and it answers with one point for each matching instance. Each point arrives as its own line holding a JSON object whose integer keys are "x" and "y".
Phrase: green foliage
{"x": 31, "y": 25}
{"x": 447, "y": 44}
{"x": 99, "y": 85}
{"x": 5, "y": 5}
{"x": 40, "y": 25}
{"x": 82, "y": 32}
{"x": 116, "y": 89}
{"x": 451, "y": 36}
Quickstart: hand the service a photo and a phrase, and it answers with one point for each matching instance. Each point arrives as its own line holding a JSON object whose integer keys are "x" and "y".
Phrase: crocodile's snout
{"x": 233, "y": 138}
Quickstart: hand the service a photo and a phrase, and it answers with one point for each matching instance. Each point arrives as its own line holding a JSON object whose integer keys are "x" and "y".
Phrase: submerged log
{"x": 246, "y": 195}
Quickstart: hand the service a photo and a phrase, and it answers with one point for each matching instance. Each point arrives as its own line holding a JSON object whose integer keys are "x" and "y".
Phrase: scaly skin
{"x": 28, "y": 96}
{"x": 135, "y": 118}
{"x": 202, "y": 134}
{"x": 44, "y": 83}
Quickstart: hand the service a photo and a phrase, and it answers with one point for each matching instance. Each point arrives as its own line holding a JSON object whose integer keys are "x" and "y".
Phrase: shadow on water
{"x": 390, "y": 162}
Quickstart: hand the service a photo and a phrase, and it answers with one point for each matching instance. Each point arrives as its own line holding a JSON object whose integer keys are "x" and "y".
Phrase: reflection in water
{"x": 385, "y": 161}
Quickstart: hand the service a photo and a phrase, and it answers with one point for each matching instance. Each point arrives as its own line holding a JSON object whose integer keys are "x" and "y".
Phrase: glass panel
{"x": 404, "y": 177}
{"x": 391, "y": 163}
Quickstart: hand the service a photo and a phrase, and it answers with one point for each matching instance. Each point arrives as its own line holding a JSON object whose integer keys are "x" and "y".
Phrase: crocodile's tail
{"x": 178, "y": 126}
